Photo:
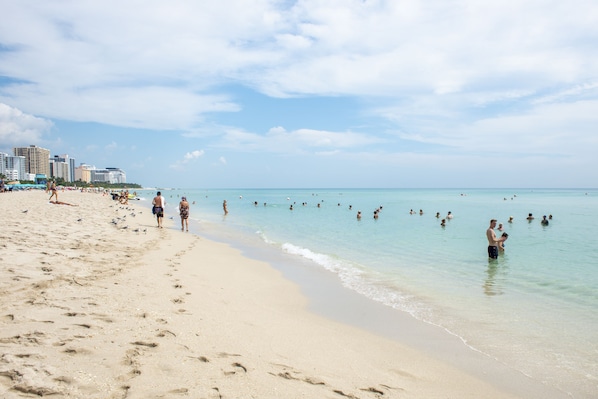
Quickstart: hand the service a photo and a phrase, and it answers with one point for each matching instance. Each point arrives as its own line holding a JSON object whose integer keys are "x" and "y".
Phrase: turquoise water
{"x": 533, "y": 309}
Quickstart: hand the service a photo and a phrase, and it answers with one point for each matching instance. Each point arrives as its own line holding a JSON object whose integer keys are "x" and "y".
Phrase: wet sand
{"x": 97, "y": 302}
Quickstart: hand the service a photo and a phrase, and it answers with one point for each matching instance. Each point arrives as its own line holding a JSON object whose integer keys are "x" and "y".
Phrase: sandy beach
{"x": 97, "y": 302}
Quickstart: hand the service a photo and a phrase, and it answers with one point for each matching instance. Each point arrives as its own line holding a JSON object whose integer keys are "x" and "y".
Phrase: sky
{"x": 308, "y": 93}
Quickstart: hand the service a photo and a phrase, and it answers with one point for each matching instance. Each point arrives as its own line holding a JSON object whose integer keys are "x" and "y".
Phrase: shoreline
{"x": 99, "y": 303}
{"x": 328, "y": 298}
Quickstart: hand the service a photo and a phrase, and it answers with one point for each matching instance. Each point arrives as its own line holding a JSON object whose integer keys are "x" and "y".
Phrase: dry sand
{"x": 97, "y": 302}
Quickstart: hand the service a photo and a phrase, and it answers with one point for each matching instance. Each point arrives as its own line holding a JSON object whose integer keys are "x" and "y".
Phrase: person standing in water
{"x": 225, "y": 207}
{"x": 493, "y": 241}
{"x": 501, "y": 245}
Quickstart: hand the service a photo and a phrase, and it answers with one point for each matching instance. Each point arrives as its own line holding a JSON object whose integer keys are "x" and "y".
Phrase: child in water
{"x": 501, "y": 245}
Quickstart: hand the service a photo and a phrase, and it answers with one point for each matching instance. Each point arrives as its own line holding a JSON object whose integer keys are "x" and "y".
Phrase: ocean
{"x": 533, "y": 309}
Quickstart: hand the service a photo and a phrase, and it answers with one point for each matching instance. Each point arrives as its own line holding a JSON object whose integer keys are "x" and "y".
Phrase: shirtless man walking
{"x": 158, "y": 209}
{"x": 493, "y": 240}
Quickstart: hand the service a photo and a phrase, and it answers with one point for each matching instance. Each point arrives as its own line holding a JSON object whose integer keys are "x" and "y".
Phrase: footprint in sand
{"x": 102, "y": 317}
{"x": 180, "y": 391}
{"x": 8, "y": 317}
{"x": 79, "y": 351}
{"x": 74, "y": 314}
{"x": 164, "y": 333}
{"x": 144, "y": 343}
{"x": 236, "y": 368}
{"x": 30, "y": 339}
{"x": 288, "y": 373}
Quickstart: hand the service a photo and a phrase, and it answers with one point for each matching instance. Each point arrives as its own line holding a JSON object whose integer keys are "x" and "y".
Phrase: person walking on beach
{"x": 158, "y": 210}
{"x": 54, "y": 191}
{"x": 184, "y": 212}
{"x": 225, "y": 207}
{"x": 493, "y": 241}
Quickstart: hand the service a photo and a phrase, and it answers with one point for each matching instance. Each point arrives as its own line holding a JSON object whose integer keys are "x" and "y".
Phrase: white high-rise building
{"x": 13, "y": 167}
{"x": 3, "y": 163}
{"x": 108, "y": 175}
{"x": 117, "y": 175}
{"x": 60, "y": 167}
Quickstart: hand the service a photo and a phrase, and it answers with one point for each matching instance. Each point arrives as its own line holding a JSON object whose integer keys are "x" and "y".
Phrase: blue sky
{"x": 314, "y": 93}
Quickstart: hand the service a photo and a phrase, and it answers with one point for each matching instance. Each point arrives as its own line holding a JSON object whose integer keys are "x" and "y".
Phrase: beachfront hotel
{"x": 63, "y": 166}
{"x": 12, "y": 166}
{"x": 34, "y": 163}
{"x": 37, "y": 159}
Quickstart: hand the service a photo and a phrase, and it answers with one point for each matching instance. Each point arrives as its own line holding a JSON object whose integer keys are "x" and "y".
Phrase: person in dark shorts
{"x": 158, "y": 208}
{"x": 54, "y": 191}
{"x": 493, "y": 241}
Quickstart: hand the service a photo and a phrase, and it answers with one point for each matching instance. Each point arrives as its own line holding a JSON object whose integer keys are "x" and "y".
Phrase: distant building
{"x": 62, "y": 166}
{"x": 12, "y": 175}
{"x": 34, "y": 163}
{"x": 13, "y": 167}
{"x": 108, "y": 175}
{"x": 3, "y": 163}
{"x": 37, "y": 159}
{"x": 100, "y": 176}
{"x": 117, "y": 175}
{"x": 83, "y": 173}
{"x": 71, "y": 162}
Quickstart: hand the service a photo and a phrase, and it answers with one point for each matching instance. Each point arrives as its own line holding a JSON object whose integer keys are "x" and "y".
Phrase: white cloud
{"x": 193, "y": 155}
{"x": 188, "y": 157}
{"x": 580, "y": 90}
{"x": 545, "y": 130}
{"x": 19, "y": 128}
{"x": 157, "y": 65}
{"x": 279, "y": 140}
{"x": 461, "y": 75}
{"x": 111, "y": 147}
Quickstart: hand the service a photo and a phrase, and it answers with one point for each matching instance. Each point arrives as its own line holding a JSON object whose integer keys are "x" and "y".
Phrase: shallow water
{"x": 532, "y": 309}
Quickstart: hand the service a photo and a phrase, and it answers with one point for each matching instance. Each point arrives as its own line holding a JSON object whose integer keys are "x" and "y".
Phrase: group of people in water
{"x": 497, "y": 244}
{"x": 158, "y": 209}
